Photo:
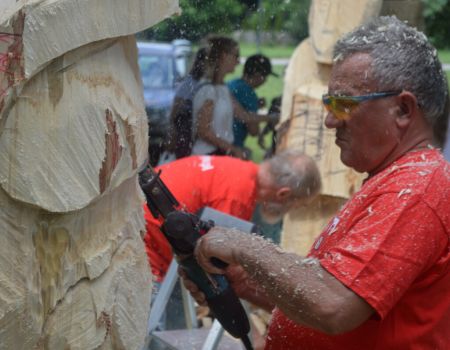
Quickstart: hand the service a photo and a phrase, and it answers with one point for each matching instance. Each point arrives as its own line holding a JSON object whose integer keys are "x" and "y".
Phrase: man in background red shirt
{"x": 232, "y": 186}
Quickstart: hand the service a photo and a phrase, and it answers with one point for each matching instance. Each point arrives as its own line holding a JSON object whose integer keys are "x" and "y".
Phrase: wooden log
{"x": 330, "y": 19}
{"x": 77, "y": 280}
{"x": 51, "y": 28}
{"x": 78, "y": 128}
{"x": 73, "y": 135}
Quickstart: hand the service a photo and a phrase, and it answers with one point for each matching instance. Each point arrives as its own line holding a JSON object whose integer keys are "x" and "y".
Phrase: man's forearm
{"x": 254, "y": 294}
{"x": 281, "y": 275}
{"x": 298, "y": 286}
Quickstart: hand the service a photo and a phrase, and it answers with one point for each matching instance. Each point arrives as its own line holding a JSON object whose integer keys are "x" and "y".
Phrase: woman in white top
{"x": 214, "y": 107}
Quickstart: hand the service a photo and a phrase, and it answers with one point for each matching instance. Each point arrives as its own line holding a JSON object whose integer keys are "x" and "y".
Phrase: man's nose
{"x": 331, "y": 122}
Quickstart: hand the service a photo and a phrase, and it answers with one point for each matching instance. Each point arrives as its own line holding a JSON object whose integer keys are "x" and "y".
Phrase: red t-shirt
{"x": 223, "y": 183}
{"x": 390, "y": 245}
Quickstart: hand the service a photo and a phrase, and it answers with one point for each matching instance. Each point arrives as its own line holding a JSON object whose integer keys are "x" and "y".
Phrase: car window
{"x": 156, "y": 71}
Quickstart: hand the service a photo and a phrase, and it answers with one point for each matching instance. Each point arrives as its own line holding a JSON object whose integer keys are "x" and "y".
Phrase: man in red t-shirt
{"x": 232, "y": 186}
{"x": 378, "y": 275}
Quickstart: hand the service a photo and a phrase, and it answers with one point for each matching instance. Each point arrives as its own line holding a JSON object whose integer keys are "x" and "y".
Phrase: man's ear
{"x": 407, "y": 109}
{"x": 283, "y": 193}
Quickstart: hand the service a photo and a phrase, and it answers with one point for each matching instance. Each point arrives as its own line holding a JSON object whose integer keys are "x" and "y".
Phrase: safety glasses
{"x": 342, "y": 106}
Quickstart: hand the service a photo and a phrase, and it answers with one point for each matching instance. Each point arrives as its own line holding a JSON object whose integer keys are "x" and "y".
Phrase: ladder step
{"x": 193, "y": 339}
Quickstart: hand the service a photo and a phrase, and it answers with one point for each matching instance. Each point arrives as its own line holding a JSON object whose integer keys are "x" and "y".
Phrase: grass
{"x": 257, "y": 152}
{"x": 271, "y": 51}
{"x": 444, "y": 56}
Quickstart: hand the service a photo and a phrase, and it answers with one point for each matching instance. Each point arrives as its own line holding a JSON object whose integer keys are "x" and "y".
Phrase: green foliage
{"x": 431, "y": 7}
{"x": 290, "y": 16}
{"x": 437, "y": 23}
{"x": 296, "y": 22}
{"x": 199, "y": 18}
{"x": 202, "y": 17}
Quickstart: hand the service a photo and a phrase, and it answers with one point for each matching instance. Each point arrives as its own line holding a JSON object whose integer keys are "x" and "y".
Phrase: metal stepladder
{"x": 214, "y": 336}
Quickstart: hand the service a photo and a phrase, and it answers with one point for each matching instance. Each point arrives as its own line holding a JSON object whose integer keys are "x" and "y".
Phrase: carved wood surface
{"x": 73, "y": 134}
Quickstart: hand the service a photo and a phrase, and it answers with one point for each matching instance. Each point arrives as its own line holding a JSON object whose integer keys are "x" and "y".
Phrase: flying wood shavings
{"x": 310, "y": 261}
{"x": 404, "y": 191}
{"x": 279, "y": 250}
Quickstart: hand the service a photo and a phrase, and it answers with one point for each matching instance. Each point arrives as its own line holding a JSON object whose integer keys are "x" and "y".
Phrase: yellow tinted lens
{"x": 341, "y": 107}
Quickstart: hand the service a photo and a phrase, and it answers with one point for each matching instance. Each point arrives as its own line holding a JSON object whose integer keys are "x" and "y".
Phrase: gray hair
{"x": 403, "y": 59}
{"x": 297, "y": 171}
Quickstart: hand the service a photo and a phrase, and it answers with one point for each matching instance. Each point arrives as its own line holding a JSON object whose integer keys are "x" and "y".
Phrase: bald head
{"x": 296, "y": 171}
{"x": 289, "y": 175}
{"x": 287, "y": 180}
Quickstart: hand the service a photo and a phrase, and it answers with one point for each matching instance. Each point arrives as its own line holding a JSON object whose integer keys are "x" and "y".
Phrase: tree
{"x": 199, "y": 18}
{"x": 290, "y": 16}
{"x": 437, "y": 24}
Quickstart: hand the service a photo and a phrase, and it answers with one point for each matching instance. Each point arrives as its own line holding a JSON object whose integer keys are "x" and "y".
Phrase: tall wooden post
{"x": 73, "y": 134}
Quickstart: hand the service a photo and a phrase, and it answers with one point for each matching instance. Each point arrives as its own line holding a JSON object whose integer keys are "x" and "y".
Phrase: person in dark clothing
{"x": 181, "y": 138}
{"x": 256, "y": 70}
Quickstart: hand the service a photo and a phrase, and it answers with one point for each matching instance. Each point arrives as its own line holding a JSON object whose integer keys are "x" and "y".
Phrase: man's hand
{"x": 196, "y": 293}
{"x": 239, "y": 280}
{"x": 220, "y": 243}
{"x": 243, "y": 153}
{"x": 212, "y": 245}
{"x": 262, "y": 141}
{"x": 261, "y": 102}
{"x": 236, "y": 275}
{"x": 274, "y": 276}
